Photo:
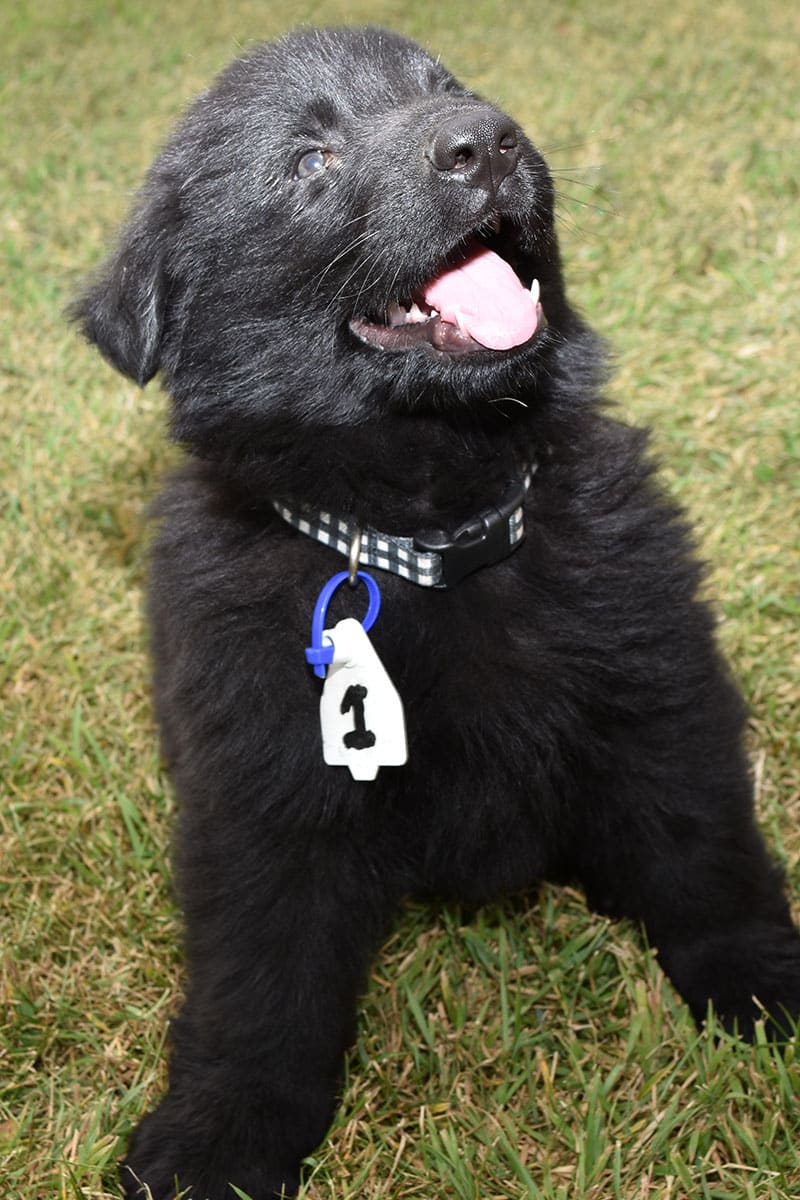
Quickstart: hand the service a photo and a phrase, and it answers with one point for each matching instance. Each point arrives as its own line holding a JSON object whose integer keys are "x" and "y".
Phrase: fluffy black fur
{"x": 568, "y": 715}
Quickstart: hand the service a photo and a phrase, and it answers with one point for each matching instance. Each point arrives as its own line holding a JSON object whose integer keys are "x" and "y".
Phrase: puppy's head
{"x": 336, "y": 228}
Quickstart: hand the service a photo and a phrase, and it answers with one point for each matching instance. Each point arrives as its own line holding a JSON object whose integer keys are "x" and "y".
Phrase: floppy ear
{"x": 123, "y": 309}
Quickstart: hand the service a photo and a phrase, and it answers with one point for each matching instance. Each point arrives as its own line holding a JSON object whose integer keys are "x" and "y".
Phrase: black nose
{"x": 478, "y": 147}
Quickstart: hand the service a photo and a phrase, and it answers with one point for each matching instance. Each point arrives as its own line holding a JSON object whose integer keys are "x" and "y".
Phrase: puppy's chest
{"x": 459, "y": 664}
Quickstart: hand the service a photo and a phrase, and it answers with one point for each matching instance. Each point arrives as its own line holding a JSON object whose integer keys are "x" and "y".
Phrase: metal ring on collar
{"x": 355, "y": 557}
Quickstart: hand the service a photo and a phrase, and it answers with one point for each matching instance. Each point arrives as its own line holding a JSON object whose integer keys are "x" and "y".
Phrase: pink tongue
{"x": 485, "y": 299}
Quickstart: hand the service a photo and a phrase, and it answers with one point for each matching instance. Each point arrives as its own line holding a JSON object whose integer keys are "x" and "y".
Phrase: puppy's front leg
{"x": 278, "y": 948}
{"x": 672, "y": 842}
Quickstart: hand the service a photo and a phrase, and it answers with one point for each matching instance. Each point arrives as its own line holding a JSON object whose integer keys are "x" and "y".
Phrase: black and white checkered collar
{"x": 432, "y": 557}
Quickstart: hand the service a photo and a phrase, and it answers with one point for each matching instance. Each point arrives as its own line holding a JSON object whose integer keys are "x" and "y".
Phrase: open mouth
{"x": 476, "y": 303}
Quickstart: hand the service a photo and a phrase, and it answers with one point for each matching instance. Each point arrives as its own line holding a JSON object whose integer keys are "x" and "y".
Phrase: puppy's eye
{"x": 311, "y": 163}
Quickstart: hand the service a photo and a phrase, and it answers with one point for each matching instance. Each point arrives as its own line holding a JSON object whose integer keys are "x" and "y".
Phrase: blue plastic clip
{"x": 319, "y": 654}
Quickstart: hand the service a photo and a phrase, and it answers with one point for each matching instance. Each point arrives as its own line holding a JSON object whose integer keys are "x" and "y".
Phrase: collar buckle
{"x": 481, "y": 541}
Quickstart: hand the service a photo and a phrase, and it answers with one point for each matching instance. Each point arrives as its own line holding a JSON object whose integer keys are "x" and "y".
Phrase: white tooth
{"x": 416, "y": 314}
{"x": 395, "y": 315}
{"x": 535, "y": 291}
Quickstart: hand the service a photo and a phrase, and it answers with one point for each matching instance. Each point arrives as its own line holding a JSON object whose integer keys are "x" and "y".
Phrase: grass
{"x": 532, "y": 1050}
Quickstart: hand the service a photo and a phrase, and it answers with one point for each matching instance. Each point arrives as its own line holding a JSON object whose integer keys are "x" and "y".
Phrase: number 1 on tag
{"x": 361, "y": 714}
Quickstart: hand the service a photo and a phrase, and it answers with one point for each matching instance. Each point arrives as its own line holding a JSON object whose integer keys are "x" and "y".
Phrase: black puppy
{"x": 344, "y": 265}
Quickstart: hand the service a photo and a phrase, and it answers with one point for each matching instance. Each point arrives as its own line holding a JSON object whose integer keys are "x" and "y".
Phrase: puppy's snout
{"x": 478, "y": 148}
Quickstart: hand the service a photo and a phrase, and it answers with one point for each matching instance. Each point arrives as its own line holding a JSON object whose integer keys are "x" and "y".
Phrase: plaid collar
{"x": 432, "y": 557}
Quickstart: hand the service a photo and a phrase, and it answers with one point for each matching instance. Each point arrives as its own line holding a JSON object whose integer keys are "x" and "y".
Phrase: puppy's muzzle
{"x": 478, "y": 147}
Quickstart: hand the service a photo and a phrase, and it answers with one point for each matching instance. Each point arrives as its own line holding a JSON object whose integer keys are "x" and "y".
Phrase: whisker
{"x": 560, "y": 147}
{"x": 365, "y": 236}
{"x": 572, "y": 226}
{"x": 565, "y": 196}
{"x": 390, "y": 289}
{"x": 499, "y": 400}
{"x": 572, "y": 175}
{"x": 361, "y": 264}
{"x": 360, "y": 217}
{"x": 370, "y": 279}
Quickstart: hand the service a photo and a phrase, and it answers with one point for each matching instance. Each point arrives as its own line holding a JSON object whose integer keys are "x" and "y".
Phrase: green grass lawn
{"x": 531, "y": 1051}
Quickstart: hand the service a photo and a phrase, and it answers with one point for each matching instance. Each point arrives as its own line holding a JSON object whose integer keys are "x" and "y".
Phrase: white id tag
{"x": 361, "y": 714}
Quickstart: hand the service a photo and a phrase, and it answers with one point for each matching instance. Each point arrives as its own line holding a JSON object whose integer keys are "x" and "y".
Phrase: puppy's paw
{"x": 165, "y": 1162}
{"x": 748, "y": 975}
{"x": 250, "y": 1182}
